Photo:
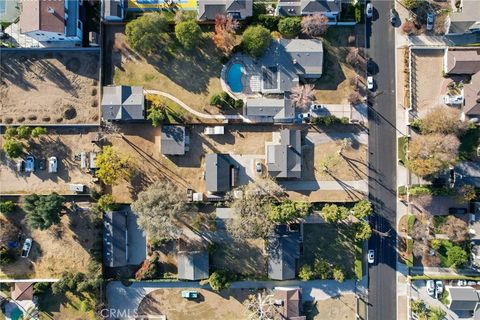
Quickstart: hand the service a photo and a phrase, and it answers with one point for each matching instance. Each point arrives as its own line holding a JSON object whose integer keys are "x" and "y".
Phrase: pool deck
{"x": 250, "y": 68}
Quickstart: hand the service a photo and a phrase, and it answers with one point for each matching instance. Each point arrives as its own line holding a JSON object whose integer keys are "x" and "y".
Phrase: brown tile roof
{"x": 290, "y": 302}
{"x": 463, "y": 61}
{"x": 22, "y": 291}
{"x": 471, "y": 92}
{"x": 35, "y": 15}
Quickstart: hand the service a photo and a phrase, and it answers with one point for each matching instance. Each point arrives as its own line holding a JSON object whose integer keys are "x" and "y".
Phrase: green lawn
{"x": 469, "y": 143}
{"x": 402, "y": 150}
{"x": 66, "y": 306}
{"x": 332, "y": 243}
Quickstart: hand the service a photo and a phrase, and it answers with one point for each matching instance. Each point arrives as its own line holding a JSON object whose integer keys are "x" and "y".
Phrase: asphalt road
{"x": 382, "y": 159}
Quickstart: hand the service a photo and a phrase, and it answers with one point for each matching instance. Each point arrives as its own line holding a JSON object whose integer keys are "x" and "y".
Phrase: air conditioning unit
{"x": 50, "y": 10}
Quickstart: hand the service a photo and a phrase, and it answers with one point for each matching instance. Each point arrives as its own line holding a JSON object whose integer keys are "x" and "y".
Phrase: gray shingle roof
{"x": 123, "y": 103}
{"x": 467, "y": 19}
{"x": 208, "y": 9}
{"x": 217, "y": 172}
{"x": 172, "y": 140}
{"x": 284, "y": 159}
{"x": 193, "y": 265}
{"x": 320, "y": 6}
{"x": 278, "y": 109}
{"x": 283, "y": 253}
{"x": 463, "y": 298}
{"x": 115, "y": 239}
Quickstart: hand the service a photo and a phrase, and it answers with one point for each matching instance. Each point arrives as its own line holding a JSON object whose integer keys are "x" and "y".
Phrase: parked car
{"x": 27, "y": 245}
{"x": 258, "y": 167}
{"x": 369, "y": 10}
{"x": 20, "y": 166}
{"x": 439, "y": 287}
{"x": 393, "y": 16}
{"x": 52, "y": 164}
{"x": 430, "y": 21}
{"x": 457, "y": 211}
{"x": 316, "y": 107}
{"x": 370, "y": 82}
{"x": 431, "y": 287}
{"x": 190, "y": 294}
{"x": 451, "y": 177}
{"x": 30, "y": 164}
{"x": 304, "y": 116}
{"x": 42, "y": 164}
{"x": 371, "y": 256}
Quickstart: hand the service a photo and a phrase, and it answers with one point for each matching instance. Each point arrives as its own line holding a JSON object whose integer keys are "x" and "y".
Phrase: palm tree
{"x": 303, "y": 96}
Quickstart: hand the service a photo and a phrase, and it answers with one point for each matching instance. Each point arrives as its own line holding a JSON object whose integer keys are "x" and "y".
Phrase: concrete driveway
{"x": 320, "y": 138}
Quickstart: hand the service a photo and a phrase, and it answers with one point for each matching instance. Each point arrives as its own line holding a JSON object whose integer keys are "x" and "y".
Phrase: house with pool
{"x": 265, "y": 83}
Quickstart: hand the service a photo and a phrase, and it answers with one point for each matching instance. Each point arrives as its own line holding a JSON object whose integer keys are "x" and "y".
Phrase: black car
{"x": 393, "y": 16}
{"x": 42, "y": 164}
{"x": 457, "y": 211}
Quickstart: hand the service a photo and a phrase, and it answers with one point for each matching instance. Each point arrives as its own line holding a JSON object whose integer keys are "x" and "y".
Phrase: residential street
{"x": 382, "y": 160}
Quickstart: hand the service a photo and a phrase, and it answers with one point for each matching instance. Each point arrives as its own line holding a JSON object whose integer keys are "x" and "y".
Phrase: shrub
{"x": 7, "y": 206}
{"x": 188, "y": 33}
{"x": 456, "y": 257}
{"x": 344, "y": 120}
{"x": 436, "y": 244}
{"x": 358, "y": 14}
{"x": 306, "y": 273}
{"x": 322, "y": 268}
{"x": 290, "y": 27}
{"x": 412, "y": 4}
{"x": 269, "y": 22}
{"x": 38, "y": 131}
{"x": 10, "y": 132}
{"x": 219, "y": 280}
{"x": 239, "y": 104}
{"x": 40, "y": 288}
{"x": 215, "y": 100}
{"x": 107, "y": 203}
{"x": 338, "y": 274}
{"x": 223, "y": 100}
{"x": 13, "y": 148}
{"x": 148, "y": 33}
{"x": 23, "y": 132}
{"x": 255, "y": 40}
{"x": 407, "y": 27}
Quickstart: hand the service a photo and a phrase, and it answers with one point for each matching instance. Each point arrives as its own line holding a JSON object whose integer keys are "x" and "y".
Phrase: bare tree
{"x": 432, "y": 153}
{"x": 251, "y": 206}
{"x": 158, "y": 209}
{"x": 455, "y": 228}
{"x": 355, "y": 97}
{"x": 444, "y": 120}
{"x": 354, "y": 57}
{"x": 315, "y": 25}
{"x": 344, "y": 145}
{"x": 353, "y": 81}
{"x": 329, "y": 163}
{"x": 260, "y": 306}
{"x": 224, "y": 37}
{"x": 8, "y": 231}
{"x": 303, "y": 95}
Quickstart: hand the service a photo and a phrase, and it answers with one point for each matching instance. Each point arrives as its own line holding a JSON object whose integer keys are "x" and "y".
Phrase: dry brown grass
{"x": 342, "y": 307}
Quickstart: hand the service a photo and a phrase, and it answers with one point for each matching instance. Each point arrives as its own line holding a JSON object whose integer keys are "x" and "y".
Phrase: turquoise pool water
{"x": 16, "y": 314}
{"x": 234, "y": 77}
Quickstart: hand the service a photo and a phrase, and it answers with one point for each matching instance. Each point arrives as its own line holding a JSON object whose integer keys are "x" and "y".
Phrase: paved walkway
{"x": 359, "y": 185}
{"x": 127, "y": 299}
{"x": 195, "y": 112}
{"x": 320, "y": 138}
{"x": 437, "y": 271}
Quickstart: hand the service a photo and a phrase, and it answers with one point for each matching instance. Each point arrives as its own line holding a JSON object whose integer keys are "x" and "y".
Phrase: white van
{"x": 52, "y": 165}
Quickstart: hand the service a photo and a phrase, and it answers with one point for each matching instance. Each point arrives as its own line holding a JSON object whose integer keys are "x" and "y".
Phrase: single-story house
{"x": 123, "y": 103}
{"x": 270, "y": 109}
{"x": 464, "y": 19}
{"x": 114, "y": 10}
{"x": 218, "y": 173}
{"x": 237, "y": 9}
{"x": 192, "y": 265}
{"x": 462, "y": 298}
{"x": 123, "y": 242}
{"x": 466, "y": 61}
{"x": 22, "y": 291}
{"x": 283, "y": 253}
{"x": 173, "y": 140}
{"x": 50, "y": 22}
{"x": 287, "y": 301}
{"x": 284, "y": 154}
{"x": 330, "y": 8}
{"x": 436, "y": 205}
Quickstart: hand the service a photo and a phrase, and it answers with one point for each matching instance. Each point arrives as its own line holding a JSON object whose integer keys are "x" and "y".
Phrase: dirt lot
{"x": 428, "y": 85}
{"x": 141, "y": 143}
{"x": 62, "y": 143}
{"x": 210, "y": 306}
{"x": 56, "y": 88}
{"x": 339, "y": 308}
{"x": 65, "y": 247}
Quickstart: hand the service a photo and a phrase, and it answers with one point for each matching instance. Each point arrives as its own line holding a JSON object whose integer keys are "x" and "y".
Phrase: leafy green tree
{"x": 362, "y": 231}
{"x": 436, "y": 313}
{"x": 7, "y": 206}
{"x": 13, "y": 148}
{"x": 288, "y": 211}
{"x": 10, "y": 132}
{"x": 188, "y": 33}
{"x": 322, "y": 268}
{"x": 436, "y": 244}
{"x": 256, "y": 39}
{"x": 333, "y": 213}
{"x": 112, "y": 166}
{"x": 38, "y": 131}
{"x": 456, "y": 257}
{"x": 218, "y": 280}
{"x": 290, "y": 27}
{"x": 362, "y": 209}
{"x": 107, "y": 203}
{"x": 338, "y": 274}
{"x": 156, "y": 115}
{"x": 412, "y": 4}
{"x": 23, "y": 132}
{"x": 148, "y": 34}
{"x": 68, "y": 282}
{"x": 43, "y": 211}
{"x": 306, "y": 273}
{"x": 419, "y": 308}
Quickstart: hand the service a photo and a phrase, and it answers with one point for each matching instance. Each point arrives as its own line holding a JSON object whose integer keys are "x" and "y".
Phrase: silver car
{"x": 430, "y": 17}
{"x": 369, "y": 10}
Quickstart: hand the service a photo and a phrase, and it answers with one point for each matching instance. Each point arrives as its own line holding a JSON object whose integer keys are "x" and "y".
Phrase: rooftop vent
{"x": 50, "y": 10}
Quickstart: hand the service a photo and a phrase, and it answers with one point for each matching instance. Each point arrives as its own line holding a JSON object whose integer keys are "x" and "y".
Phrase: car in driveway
{"x": 316, "y": 107}
{"x": 439, "y": 287}
{"x": 27, "y": 245}
{"x": 20, "y": 166}
{"x": 431, "y": 287}
{"x": 304, "y": 116}
{"x": 369, "y": 10}
{"x": 370, "y": 83}
{"x": 52, "y": 164}
{"x": 393, "y": 16}
{"x": 258, "y": 167}
{"x": 430, "y": 17}
{"x": 371, "y": 256}
{"x": 42, "y": 164}
{"x": 30, "y": 164}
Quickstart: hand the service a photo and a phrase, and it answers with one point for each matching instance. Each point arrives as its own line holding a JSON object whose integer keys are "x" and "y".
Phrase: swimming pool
{"x": 234, "y": 77}
{"x": 16, "y": 314}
